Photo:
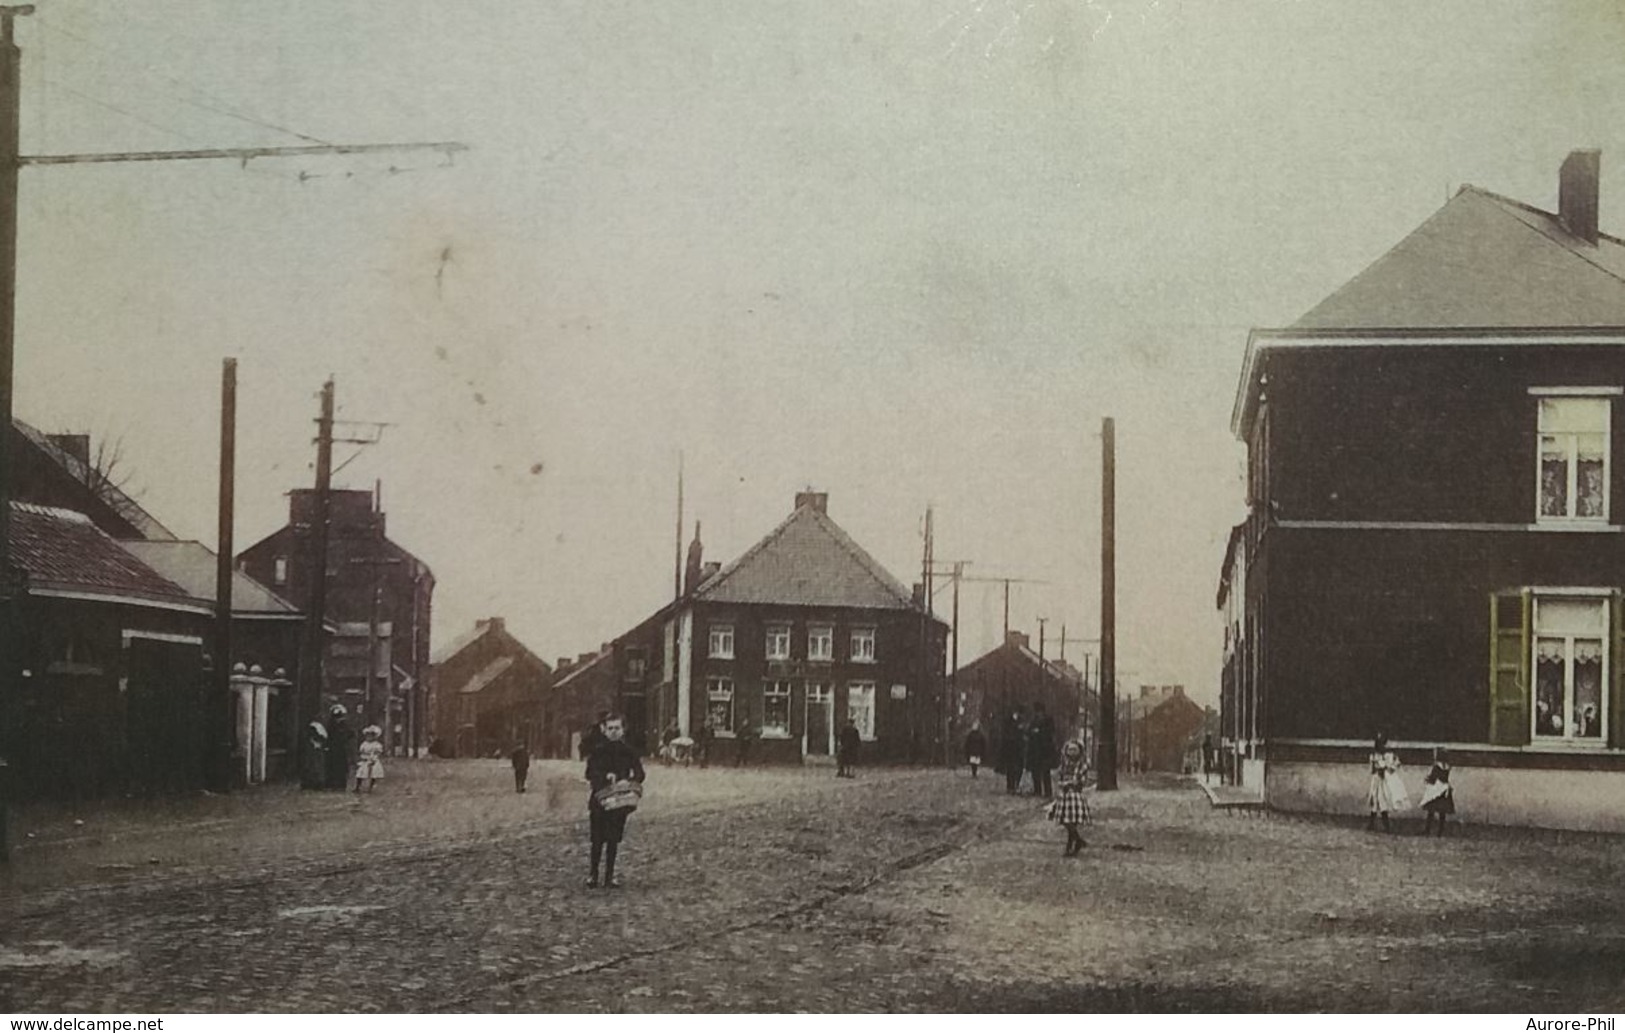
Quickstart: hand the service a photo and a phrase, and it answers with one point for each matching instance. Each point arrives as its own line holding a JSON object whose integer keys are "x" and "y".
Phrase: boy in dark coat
{"x": 1012, "y": 751}
{"x": 846, "y": 749}
{"x": 1041, "y": 751}
{"x": 521, "y": 766}
{"x": 611, "y": 761}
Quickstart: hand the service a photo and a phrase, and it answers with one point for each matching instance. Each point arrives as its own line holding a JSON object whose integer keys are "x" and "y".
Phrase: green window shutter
{"x": 1616, "y": 693}
{"x": 1509, "y": 668}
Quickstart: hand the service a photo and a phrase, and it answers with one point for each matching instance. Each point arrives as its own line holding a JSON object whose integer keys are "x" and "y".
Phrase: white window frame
{"x": 821, "y": 642}
{"x": 1604, "y": 702}
{"x": 279, "y": 570}
{"x": 864, "y": 718}
{"x": 721, "y": 642}
{"x": 778, "y": 634}
{"x": 1600, "y": 394}
{"x": 719, "y": 690}
{"x": 860, "y": 638}
{"x": 777, "y": 689}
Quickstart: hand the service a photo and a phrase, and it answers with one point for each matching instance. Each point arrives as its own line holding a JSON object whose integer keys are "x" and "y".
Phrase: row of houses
{"x": 1434, "y": 538}
{"x": 779, "y": 647}
{"x": 116, "y": 690}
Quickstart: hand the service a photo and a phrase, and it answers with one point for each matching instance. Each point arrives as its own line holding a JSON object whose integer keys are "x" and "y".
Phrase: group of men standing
{"x": 1027, "y": 746}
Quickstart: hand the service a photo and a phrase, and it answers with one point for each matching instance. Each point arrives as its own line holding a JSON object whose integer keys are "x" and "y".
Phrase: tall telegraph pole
{"x": 10, "y": 589}
{"x": 310, "y": 662}
{"x": 221, "y": 726}
{"x": 1107, "y": 764}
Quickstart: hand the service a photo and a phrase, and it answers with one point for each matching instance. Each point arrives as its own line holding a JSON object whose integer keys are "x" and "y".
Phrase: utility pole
{"x": 222, "y": 727}
{"x": 677, "y": 565}
{"x": 310, "y": 663}
{"x": 953, "y": 681}
{"x": 374, "y": 640}
{"x": 1107, "y": 765}
{"x": 11, "y": 589}
{"x": 1041, "y": 622}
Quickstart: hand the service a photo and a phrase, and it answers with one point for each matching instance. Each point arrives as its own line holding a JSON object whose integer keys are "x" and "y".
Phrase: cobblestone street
{"x": 790, "y": 891}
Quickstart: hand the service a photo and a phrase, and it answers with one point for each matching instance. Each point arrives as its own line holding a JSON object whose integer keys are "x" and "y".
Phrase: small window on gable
{"x": 279, "y": 570}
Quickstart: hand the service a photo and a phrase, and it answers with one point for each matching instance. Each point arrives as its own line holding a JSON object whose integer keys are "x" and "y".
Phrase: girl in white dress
{"x": 1387, "y": 791}
{"x": 370, "y": 758}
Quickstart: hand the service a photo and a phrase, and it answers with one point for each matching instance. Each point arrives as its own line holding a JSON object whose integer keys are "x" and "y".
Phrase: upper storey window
{"x": 1574, "y": 461}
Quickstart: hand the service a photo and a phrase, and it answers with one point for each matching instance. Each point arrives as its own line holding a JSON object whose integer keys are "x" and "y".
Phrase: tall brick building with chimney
{"x": 362, "y": 563}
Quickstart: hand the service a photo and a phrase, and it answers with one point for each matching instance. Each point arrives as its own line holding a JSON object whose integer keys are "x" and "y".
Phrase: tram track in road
{"x": 512, "y": 986}
{"x": 403, "y": 851}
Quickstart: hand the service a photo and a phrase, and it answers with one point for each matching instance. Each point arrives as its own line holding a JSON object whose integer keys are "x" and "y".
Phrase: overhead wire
{"x": 219, "y": 107}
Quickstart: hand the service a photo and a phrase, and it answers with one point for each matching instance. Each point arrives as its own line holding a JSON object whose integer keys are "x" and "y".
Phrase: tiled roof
{"x": 486, "y": 675}
{"x": 807, "y": 561}
{"x": 63, "y": 551}
{"x": 1487, "y": 261}
{"x": 122, "y": 504}
{"x": 571, "y": 673}
{"x": 191, "y": 565}
{"x": 461, "y": 642}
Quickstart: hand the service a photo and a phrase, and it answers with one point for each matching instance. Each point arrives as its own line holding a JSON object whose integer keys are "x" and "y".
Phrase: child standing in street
{"x": 616, "y": 776}
{"x": 1071, "y": 808}
{"x": 521, "y": 766}
{"x": 1438, "y": 796}
{"x": 1387, "y": 791}
{"x": 370, "y": 758}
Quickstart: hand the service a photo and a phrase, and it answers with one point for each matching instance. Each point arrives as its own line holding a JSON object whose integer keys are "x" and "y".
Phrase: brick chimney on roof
{"x": 1017, "y": 638}
{"x": 1577, "y": 190}
{"x": 818, "y": 500}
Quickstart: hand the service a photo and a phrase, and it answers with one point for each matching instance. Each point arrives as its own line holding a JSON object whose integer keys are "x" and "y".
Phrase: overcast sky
{"x": 906, "y": 252}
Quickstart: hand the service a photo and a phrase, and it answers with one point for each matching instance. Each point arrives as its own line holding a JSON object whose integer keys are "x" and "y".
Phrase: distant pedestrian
{"x": 703, "y": 740}
{"x": 742, "y": 741}
{"x": 615, "y": 775}
{"x": 369, "y": 765}
{"x": 846, "y": 749}
{"x": 975, "y": 748}
{"x": 340, "y": 745}
{"x": 1071, "y": 808}
{"x": 1207, "y": 758}
{"x": 520, "y": 758}
{"x": 1387, "y": 791}
{"x": 1041, "y": 751}
{"x": 1012, "y": 751}
{"x": 668, "y": 739}
{"x": 313, "y": 760}
{"x": 1438, "y": 795}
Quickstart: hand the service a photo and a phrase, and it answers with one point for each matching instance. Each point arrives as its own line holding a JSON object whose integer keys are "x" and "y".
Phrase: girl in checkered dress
{"x": 1070, "y": 808}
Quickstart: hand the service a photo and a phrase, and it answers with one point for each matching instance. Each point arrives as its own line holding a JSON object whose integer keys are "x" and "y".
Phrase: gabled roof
{"x": 461, "y": 642}
{"x": 807, "y": 561}
{"x": 486, "y": 675}
{"x": 110, "y": 495}
{"x": 191, "y": 565}
{"x": 61, "y": 551}
{"x": 1486, "y": 261}
{"x": 583, "y": 668}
